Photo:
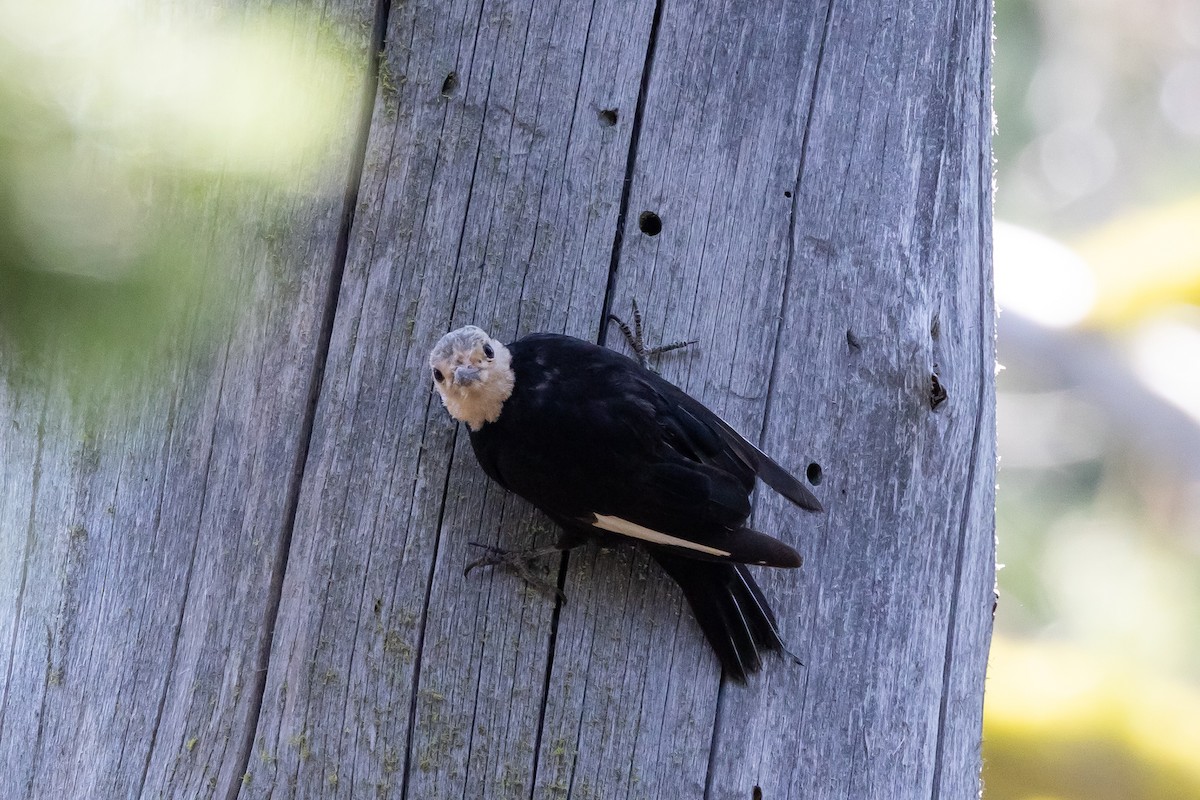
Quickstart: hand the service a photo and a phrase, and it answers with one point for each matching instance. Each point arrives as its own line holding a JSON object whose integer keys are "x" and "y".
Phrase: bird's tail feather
{"x": 730, "y": 608}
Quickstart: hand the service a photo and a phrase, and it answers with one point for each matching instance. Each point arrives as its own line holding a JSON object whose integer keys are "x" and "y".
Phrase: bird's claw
{"x": 518, "y": 563}
{"x": 638, "y": 344}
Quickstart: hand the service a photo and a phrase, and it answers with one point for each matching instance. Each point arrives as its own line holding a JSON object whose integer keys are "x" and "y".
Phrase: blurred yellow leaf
{"x": 1061, "y": 721}
{"x": 1145, "y": 261}
{"x": 146, "y": 162}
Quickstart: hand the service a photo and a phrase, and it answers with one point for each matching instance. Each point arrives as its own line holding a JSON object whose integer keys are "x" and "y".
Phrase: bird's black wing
{"x": 590, "y": 436}
{"x": 734, "y": 445}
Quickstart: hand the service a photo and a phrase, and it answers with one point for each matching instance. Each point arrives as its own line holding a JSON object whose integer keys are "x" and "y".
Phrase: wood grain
{"x": 238, "y": 593}
{"x": 143, "y": 524}
{"x": 490, "y": 198}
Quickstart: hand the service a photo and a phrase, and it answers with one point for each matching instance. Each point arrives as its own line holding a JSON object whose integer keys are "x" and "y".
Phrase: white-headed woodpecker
{"x": 614, "y": 453}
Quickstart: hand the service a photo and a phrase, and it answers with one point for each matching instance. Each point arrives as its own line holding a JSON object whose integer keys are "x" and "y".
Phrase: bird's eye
{"x": 438, "y": 376}
{"x": 488, "y": 351}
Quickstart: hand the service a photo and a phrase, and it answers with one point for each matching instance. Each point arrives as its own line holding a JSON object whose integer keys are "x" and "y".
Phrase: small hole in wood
{"x": 787, "y": 194}
{"x": 937, "y": 392}
{"x": 608, "y": 117}
{"x": 756, "y": 794}
{"x": 649, "y": 223}
{"x": 450, "y": 85}
{"x": 815, "y": 474}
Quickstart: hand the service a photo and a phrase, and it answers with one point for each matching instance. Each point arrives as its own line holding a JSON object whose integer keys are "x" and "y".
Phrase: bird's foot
{"x": 638, "y": 344}
{"x": 519, "y": 563}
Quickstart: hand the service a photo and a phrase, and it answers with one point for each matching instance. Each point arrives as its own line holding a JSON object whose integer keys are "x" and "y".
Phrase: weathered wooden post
{"x": 240, "y": 596}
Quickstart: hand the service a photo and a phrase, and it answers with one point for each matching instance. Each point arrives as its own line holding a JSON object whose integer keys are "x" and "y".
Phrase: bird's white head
{"x": 473, "y": 374}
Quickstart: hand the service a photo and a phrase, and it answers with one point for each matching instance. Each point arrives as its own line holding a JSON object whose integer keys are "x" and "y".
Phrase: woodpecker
{"x": 613, "y": 453}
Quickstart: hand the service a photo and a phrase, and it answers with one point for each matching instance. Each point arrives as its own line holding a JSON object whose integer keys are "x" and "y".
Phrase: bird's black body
{"x": 588, "y": 435}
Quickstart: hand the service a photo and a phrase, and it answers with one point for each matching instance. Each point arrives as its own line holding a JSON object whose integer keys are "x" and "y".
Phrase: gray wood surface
{"x": 235, "y": 593}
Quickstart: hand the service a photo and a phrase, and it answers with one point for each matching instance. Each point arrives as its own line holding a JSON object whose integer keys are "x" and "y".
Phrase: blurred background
{"x": 143, "y": 157}
{"x": 1094, "y": 683}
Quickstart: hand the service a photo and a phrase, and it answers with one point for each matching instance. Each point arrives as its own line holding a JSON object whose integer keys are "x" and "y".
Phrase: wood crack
{"x": 324, "y": 336}
{"x": 29, "y": 542}
{"x": 983, "y": 372}
{"x": 630, "y": 163}
{"x": 790, "y": 267}
{"x": 187, "y": 584}
{"x": 417, "y": 656}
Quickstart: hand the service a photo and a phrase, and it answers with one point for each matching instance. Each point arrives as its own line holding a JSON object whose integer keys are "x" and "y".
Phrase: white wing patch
{"x": 635, "y": 531}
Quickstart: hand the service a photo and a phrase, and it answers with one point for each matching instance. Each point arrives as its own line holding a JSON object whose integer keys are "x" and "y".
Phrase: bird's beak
{"x": 466, "y": 375}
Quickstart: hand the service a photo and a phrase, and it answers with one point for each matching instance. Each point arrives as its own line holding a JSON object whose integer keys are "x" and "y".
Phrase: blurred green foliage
{"x": 132, "y": 152}
{"x": 1098, "y": 109}
{"x": 1094, "y": 674}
